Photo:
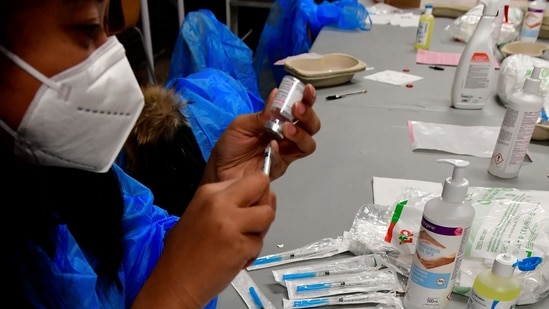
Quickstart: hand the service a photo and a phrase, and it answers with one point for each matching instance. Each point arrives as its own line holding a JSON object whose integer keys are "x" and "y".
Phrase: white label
{"x": 513, "y": 140}
{"x": 479, "y": 71}
{"x": 422, "y": 31}
{"x": 531, "y": 24}
{"x": 477, "y": 301}
{"x": 289, "y": 92}
{"x": 438, "y": 257}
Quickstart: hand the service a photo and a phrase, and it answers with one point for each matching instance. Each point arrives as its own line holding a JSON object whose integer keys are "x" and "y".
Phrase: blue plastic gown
{"x": 215, "y": 99}
{"x": 72, "y": 278}
{"x": 211, "y": 68}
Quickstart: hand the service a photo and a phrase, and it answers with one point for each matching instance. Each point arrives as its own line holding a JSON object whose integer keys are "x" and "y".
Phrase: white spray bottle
{"x": 441, "y": 243}
{"x": 475, "y": 71}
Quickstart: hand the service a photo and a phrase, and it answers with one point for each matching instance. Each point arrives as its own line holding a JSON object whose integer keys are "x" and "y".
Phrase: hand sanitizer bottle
{"x": 496, "y": 287}
{"x": 531, "y": 23}
{"x": 441, "y": 243}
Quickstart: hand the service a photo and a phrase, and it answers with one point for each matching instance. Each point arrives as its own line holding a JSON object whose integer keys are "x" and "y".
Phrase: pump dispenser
{"x": 475, "y": 71}
{"x": 496, "y": 287}
{"x": 455, "y": 188}
{"x": 441, "y": 243}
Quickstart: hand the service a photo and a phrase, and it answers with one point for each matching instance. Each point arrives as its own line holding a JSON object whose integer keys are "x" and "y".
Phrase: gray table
{"x": 364, "y": 136}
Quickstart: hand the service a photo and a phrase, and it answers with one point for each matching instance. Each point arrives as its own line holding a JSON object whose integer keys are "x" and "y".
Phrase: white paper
{"x": 405, "y": 20}
{"x": 383, "y": 14}
{"x": 393, "y": 77}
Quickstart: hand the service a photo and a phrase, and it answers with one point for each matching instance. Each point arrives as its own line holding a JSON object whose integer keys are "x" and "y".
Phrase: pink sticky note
{"x": 439, "y": 58}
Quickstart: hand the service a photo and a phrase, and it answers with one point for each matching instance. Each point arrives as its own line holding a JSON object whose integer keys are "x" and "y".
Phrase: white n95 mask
{"x": 81, "y": 117}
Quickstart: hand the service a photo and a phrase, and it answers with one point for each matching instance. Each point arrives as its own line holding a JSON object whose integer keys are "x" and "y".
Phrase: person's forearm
{"x": 161, "y": 292}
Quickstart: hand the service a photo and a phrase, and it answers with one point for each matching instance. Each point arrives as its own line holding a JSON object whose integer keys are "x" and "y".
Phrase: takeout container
{"x": 533, "y": 49}
{"x": 326, "y": 70}
{"x": 541, "y": 132}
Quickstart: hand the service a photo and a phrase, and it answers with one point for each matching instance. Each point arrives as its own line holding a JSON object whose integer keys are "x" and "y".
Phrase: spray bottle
{"x": 517, "y": 128}
{"x": 441, "y": 243}
{"x": 475, "y": 71}
{"x": 496, "y": 286}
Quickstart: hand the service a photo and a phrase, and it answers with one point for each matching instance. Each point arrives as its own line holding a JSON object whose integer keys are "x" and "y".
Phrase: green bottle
{"x": 496, "y": 288}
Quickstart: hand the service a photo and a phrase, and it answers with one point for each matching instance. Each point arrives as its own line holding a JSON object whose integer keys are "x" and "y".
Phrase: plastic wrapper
{"x": 507, "y": 220}
{"x": 323, "y": 248}
{"x": 371, "y": 300}
{"x": 514, "y": 70}
{"x": 362, "y": 282}
{"x": 249, "y": 291}
{"x": 329, "y": 268}
{"x": 463, "y": 27}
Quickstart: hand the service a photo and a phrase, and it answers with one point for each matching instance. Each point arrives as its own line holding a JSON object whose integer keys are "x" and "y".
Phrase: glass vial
{"x": 289, "y": 92}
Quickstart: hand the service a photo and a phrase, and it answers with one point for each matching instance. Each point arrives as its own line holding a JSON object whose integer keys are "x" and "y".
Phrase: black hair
{"x": 36, "y": 200}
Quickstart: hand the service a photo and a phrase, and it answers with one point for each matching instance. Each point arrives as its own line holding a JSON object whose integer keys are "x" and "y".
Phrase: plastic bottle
{"x": 441, "y": 243}
{"x": 517, "y": 128}
{"x": 533, "y": 18}
{"x": 425, "y": 28}
{"x": 496, "y": 287}
{"x": 475, "y": 71}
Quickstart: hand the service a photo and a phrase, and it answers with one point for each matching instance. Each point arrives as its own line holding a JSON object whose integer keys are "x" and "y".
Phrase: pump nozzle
{"x": 532, "y": 82}
{"x": 455, "y": 188}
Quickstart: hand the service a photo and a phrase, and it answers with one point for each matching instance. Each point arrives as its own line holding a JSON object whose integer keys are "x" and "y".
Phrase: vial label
{"x": 290, "y": 91}
{"x": 477, "y": 301}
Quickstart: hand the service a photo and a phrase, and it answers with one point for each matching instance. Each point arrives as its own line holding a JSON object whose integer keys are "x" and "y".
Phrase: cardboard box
{"x": 402, "y": 4}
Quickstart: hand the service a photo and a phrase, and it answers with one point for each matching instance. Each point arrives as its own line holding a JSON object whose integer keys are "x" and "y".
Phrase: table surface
{"x": 365, "y": 136}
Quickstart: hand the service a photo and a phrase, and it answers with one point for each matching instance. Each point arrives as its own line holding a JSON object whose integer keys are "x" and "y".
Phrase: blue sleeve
{"x": 145, "y": 226}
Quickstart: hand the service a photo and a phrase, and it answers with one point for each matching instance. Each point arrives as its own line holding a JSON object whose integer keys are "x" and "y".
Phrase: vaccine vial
{"x": 290, "y": 91}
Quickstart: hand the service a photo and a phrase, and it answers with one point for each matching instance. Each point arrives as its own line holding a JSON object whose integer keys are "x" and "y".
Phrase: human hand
{"x": 240, "y": 149}
{"x": 220, "y": 233}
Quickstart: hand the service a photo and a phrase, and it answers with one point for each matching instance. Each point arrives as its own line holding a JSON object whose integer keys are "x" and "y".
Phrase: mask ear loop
{"x": 19, "y": 142}
{"x": 29, "y": 69}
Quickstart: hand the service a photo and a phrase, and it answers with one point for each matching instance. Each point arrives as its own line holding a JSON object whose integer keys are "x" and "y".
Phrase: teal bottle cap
{"x": 529, "y": 263}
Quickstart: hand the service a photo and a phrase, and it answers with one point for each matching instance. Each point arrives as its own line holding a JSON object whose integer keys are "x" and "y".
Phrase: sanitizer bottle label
{"x": 480, "y": 302}
{"x": 438, "y": 256}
